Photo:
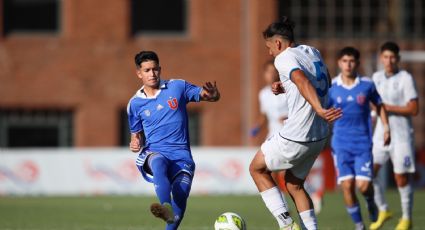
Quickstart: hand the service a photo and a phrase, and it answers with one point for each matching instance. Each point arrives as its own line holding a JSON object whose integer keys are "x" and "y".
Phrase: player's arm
{"x": 136, "y": 141}
{"x": 410, "y": 109}
{"x": 210, "y": 92}
{"x": 380, "y": 109}
{"x": 309, "y": 93}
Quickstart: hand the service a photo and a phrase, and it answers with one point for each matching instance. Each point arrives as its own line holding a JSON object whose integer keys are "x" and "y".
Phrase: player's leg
{"x": 404, "y": 167}
{"x": 306, "y": 154}
{"x": 352, "y": 204}
{"x": 363, "y": 166}
{"x": 181, "y": 186}
{"x": 344, "y": 166}
{"x": 158, "y": 165}
{"x": 380, "y": 157}
{"x": 270, "y": 192}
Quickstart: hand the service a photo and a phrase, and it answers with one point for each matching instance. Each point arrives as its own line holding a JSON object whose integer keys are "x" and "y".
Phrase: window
{"x": 159, "y": 16}
{"x": 30, "y": 16}
{"x": 35, "y": 128}
{"x": 194, "y": 128}
{"x": 355, "y": 18}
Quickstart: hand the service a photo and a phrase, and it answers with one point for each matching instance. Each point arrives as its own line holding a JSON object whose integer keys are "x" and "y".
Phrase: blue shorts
{"x": 353, "y": 164}
{"x": 175, "y": 167}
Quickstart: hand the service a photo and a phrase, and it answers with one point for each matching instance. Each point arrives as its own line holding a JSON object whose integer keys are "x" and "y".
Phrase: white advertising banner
{"x": 113, "y": 171}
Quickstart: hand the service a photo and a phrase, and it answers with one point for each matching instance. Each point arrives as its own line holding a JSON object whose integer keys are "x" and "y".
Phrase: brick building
{"x": 67, "y": 72}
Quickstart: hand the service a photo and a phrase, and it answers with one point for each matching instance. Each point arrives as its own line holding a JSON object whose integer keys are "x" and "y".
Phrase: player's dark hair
{"x": 145, "y": 56}
{"x": 284, "y": 28}
{"x": 391, "y": 46}
{"x": 349, "y": 51}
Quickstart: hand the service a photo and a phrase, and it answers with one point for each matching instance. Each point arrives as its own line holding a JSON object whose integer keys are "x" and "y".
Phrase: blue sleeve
{"x": 192, "y": 92}
{"x": 134, "y": 121}
{"x": 375, "y": 98}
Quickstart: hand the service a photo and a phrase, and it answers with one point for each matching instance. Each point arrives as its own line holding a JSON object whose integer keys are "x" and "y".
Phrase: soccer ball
{"x": 229, "y": 221}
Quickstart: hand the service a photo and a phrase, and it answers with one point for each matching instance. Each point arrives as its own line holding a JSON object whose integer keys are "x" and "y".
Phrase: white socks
{"x": 277, "y": 205}
{"x": 406, "y": 195}
{"x": 308, "y": 219}
{"x": 379, "y": 195}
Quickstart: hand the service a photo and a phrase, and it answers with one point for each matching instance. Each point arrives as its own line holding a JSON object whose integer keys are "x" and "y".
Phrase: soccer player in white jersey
{"x": 305, "y": 80}
{"x": 273, "y": 108}
{"x": 398, "y": 91}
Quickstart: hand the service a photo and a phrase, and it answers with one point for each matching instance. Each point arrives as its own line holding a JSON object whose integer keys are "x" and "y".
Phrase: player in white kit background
{"x": 399, "y": 95}
{"x": 305, "y": 80}
{"x": 273, "y": 108}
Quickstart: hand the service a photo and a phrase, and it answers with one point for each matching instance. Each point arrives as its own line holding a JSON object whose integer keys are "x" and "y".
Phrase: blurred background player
{"x": 159, "y": 133}
{"x": 305, "y": 80}
{"x": 273, "y": 108}
{"x": 398, "y": 91}
{"x": 274, "y": 112}
{"x": 352, "y": 134}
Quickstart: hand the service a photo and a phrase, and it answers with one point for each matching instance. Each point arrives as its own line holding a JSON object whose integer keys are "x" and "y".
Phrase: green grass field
{"x": 131, "y": 212}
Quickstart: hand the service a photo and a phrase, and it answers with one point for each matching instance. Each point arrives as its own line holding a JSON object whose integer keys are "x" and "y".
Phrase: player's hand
{"x": 254, "y": 131}
{"x": 210, "y": 92}
{"x": 135, "y": 145}
{"x": 387, "y": 138}
{"x": 277, "y": 88}
{"x": 330, "y": 115}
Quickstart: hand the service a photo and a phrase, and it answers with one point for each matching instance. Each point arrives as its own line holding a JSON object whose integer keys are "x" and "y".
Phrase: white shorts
{"x": 402, "y": 156}
{"x": 299, "y": 157}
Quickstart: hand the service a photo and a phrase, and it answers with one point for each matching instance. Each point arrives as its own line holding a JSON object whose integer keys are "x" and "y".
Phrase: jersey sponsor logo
{"x": 159, "y": 107}
{"x": 147, "y": 112}
{"x": 361, "y": 99}
{"x": 173, "y": 103}
{"x": 350, "y": 98}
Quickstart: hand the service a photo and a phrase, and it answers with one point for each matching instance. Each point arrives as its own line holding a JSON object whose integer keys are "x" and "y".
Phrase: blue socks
{"x": 372, "y": 208}
{"x": 355, "y": 213}
{"x": 180, "y": 188}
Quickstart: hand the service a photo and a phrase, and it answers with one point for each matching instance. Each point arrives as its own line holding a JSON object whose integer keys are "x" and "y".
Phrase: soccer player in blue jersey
{"x": 159, "y": 133}
{"x": 352, "y": 140}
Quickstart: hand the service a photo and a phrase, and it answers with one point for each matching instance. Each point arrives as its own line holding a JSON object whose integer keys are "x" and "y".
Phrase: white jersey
{"x": 274, "y": 107}
{"x": 303, "y": 124}
{"x": 398, "y": 90}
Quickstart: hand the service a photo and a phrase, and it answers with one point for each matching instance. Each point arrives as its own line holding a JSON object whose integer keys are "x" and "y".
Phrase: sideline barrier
{"x": 112, "y": 171}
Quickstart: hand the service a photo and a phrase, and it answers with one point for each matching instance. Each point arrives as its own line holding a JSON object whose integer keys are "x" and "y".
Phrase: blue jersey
{"x": 353, "y": 130}
{"x": 163, "y": 119}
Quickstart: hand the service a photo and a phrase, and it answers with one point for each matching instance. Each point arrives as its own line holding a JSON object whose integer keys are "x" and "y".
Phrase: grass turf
{"x": 132, "y": 212}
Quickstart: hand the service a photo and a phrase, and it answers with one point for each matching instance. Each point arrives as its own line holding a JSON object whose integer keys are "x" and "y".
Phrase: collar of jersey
{"x": 340, "y": 83}
{"x": 141, "y": 92}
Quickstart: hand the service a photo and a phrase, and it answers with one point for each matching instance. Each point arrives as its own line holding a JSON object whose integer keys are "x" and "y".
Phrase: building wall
{"x": 88, "y": 66}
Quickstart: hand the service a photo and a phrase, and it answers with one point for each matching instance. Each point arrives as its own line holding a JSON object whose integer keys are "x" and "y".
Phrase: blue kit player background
{"x": 159, "y": 133}
{"x": 352, "y": 134}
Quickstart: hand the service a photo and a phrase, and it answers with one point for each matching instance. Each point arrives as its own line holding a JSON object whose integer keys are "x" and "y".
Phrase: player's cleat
{"x": 164, "y": 212}
{"x": 293, "y": 226}
{"x": 382, "y": 217}
{"x": 404, "y": 224}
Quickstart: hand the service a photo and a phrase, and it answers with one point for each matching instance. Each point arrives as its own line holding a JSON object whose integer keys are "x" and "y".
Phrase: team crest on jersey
{"x": 361, "y": 99}
{"x": 147, "y": 112}
{"x": 173, "y": 103}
